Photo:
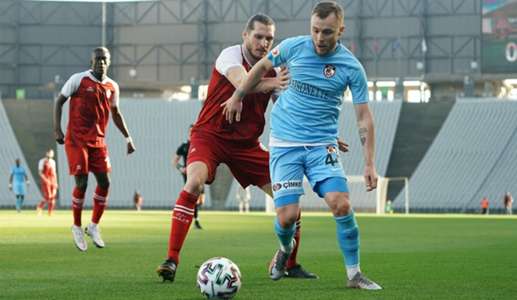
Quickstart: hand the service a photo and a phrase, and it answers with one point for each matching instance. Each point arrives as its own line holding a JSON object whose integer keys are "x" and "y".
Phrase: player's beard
{"x": 249, "y": 56}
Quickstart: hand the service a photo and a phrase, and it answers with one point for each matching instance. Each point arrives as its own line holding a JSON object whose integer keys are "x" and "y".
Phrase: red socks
{"x": 291, "y": 262}
{"x": 100, "y": 199}
{"x": 77, "y": 205}
{"x": 181, "y": 218}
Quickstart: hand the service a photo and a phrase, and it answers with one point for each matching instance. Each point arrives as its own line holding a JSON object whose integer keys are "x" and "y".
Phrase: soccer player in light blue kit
{"x": 17, "y": 182}
{"x": 304, "y": 130}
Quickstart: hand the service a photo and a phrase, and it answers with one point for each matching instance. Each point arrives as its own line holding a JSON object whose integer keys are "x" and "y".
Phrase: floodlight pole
{"x": 103, "y": 21}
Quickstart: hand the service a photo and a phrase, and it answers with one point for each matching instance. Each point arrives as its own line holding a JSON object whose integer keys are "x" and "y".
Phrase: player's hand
{"x": 343, "y": 147}
{"x": 370, "y": 178}
{"x": 130, "y": 147}
{"x": 232, "y": 109}
{"x": 60, "y": 137}
{"x": 282, "y": 79}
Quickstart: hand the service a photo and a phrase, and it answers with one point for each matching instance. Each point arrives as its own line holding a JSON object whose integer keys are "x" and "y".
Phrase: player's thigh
{"x": 204, "y": 152}
{"x": 77, "y": 157}
{"x": 287, "y": 170}
{"x": 322, "y": 163}
{"x": 249, "y": 165}
{"x": 98, "y": 160}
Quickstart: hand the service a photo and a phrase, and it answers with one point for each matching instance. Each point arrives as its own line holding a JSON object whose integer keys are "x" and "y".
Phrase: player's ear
{"x": 244, "y": 34}
{"x": 342, "y": 30}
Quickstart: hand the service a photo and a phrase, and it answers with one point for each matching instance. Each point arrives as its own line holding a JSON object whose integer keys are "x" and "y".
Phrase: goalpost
{"x": 362, "y": 201}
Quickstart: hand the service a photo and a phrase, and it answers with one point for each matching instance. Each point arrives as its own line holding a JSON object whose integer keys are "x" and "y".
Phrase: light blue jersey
{"x": 18, "y": 175}
{"x": 308, "y": 111}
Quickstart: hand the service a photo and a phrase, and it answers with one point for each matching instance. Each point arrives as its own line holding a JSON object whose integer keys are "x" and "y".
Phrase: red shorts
{"x": 84, "y": 159}
{"x": 49, "y": 191}
{"x": 249, "y": 164}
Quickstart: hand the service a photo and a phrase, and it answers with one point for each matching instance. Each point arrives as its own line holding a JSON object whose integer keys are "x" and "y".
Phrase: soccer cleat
{"x": 197, "y": 224}
{"x": 361, "y": 282}
{"x": 299, "y": 272}
{"x": 167, "y": 270}
{"x": 79, "y": 241}
{"x": 278, "y": 265}
{"x": 92, "y": 230}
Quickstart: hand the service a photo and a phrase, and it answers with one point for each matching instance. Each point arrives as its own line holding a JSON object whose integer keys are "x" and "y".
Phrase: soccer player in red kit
{"x": 92, "y": 96}
{"x": 214, "y": 140}
{"x": 47, "y": 173}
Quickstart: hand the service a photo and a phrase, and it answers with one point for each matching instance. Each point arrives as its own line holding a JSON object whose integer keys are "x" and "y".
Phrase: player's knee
{"x": 194, "y": 186}
{"x": 339, "y": 204}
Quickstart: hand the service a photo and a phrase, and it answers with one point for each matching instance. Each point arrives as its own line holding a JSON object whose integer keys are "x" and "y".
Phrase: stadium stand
{"x": 471, "y": 157}
{"x": 9, "y": 151}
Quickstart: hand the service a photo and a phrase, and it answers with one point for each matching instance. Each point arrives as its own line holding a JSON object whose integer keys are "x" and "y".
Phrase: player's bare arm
{"x": 176, "y": 164}
{"x": 233, "y": 106}
{"x": 367, "y": 137}
{"x": 238, "y": 74}
{"x": 119, "y": 121}
{"x": 58, "y": 109}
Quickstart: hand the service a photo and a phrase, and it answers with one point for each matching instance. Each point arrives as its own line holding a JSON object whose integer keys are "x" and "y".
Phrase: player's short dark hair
{"x": 104, "y": 49}
{"x": 325, "y": 8}
{"x": 261, "y": 18}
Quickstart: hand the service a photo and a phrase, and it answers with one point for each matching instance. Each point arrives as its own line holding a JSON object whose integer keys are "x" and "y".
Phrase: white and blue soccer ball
{"x": 219, "y": 278}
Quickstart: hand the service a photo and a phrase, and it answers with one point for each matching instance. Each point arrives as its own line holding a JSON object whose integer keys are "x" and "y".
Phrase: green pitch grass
{"x": 417, "y": 257}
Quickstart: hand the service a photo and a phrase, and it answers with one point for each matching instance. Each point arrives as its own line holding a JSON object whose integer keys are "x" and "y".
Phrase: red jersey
{"x": 211, "y": 119}
{"x": 47, "y": 167}
{"x": 90, "y": 103}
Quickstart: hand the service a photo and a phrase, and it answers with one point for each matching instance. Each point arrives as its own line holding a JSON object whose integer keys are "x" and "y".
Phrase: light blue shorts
{"x": 19, "y": 188}
{"x": 288, "y": 165}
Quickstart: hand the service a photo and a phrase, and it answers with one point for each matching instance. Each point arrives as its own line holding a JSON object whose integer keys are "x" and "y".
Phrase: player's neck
{"x": 99, "y": 76}
{"x": 247, "y": 55}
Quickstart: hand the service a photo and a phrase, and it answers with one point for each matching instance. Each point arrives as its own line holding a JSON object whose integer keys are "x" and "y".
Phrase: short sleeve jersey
{"x": 90, "y": 103}
{"x": 18, "y": 174}
{"x": 308, "y": 111}
{"x": 47, "y": 167}
{"x": 211, "y": 119}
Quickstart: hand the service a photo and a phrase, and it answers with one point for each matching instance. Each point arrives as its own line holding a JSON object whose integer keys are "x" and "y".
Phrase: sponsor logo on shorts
{"x": 287, "y": 185}
{"x": 78, "y": 167}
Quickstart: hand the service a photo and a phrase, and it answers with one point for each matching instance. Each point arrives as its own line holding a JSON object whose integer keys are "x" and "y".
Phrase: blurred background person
{"x": 17, "y": 183}
{"x": 484, "y": 206}
{"x": 243, "y": 197}
{"x": 48, "y": 177}
{"x": 508, "y": 203}
{"x": 138, "y": 200}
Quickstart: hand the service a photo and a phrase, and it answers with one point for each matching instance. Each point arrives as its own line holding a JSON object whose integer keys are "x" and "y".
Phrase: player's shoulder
{"x": 297, "y": 41}
{"x": 110, "y": 81}
{"x": 348, "y": 57}
{"x": 234, "y": 51}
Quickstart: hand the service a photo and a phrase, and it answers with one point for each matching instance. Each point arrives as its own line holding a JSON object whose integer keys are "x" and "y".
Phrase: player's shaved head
{"x": 261, "y": 18}
{"x": 101, "y": 60}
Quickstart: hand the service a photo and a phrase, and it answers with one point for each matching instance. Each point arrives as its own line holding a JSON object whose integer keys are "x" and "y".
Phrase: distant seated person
{"x": 138, "y": 200}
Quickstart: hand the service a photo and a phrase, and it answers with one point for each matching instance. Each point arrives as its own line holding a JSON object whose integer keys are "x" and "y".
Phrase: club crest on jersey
{"x": 90, "y": 89}
{"x": 329, "y": 71}
{"x": 275, "y": 52}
